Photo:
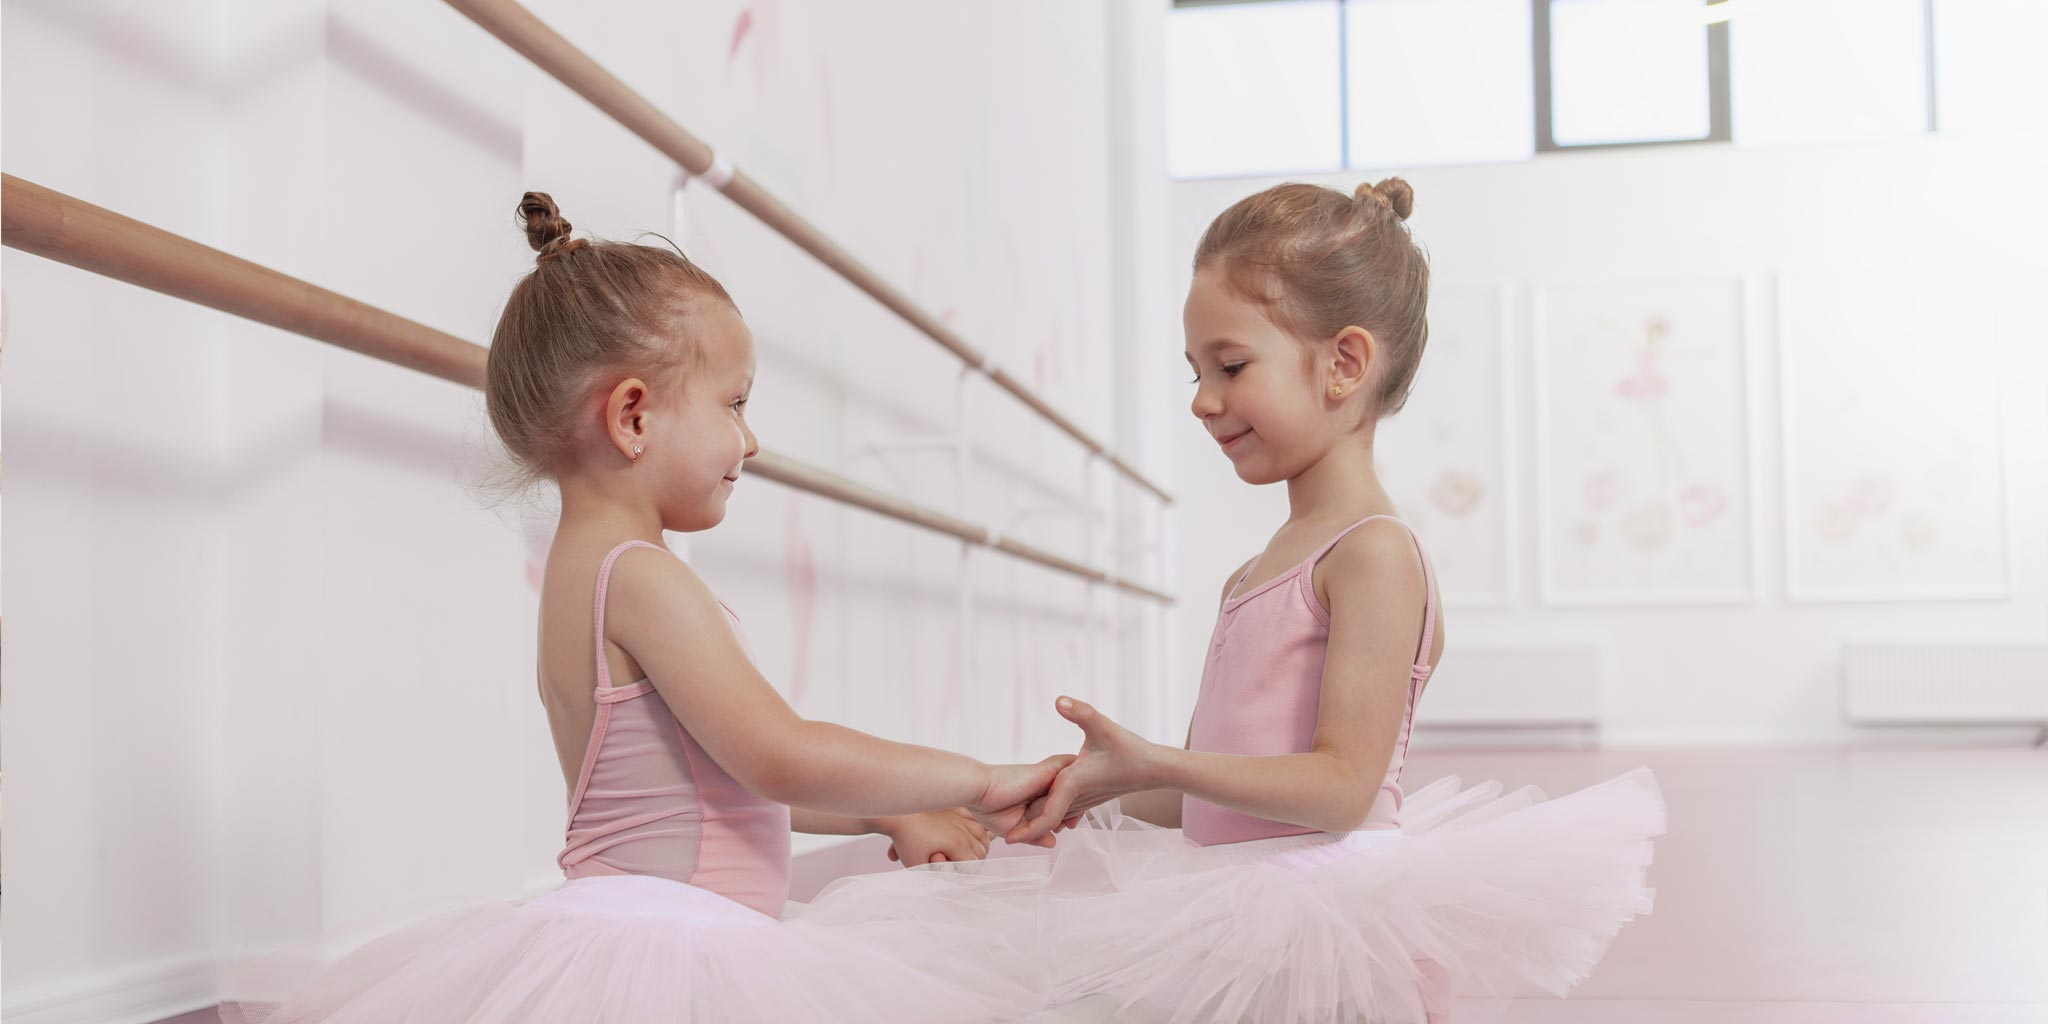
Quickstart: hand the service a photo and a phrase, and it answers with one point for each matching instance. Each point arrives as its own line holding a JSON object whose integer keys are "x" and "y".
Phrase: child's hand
{"x": 1011, "y": 789}
{"x": 935, "y": 837}
{"x": 1113, "y": 761}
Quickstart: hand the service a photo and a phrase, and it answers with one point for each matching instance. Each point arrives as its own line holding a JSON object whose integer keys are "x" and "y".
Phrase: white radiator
{"x": 1945, "y": 684}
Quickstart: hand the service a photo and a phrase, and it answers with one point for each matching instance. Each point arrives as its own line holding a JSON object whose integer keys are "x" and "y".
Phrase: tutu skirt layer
{"x": 1481, "y": 891}
{"x": 631, "y": 949}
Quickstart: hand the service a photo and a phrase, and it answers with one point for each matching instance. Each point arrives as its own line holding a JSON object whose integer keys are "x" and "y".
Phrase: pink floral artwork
{"x": 1702, "y": 505}
{"x": 1917, "y": 532}
{"x": 1644, "y": 446}
{"x": 1647, "y": 527}
{"x": 1869, "y": 496}
{"x": 1647, "y": 381}
{"x": 1457, "y": 492}
{"x": 1836, "y": 522}
{"x": 1604, "y": 488}
{"x": 1585, "y": 533}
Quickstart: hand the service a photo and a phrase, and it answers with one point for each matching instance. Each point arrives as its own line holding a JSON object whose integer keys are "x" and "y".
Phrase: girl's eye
{"x": 739, "y": 404}
{"x": 1229, "y": 370}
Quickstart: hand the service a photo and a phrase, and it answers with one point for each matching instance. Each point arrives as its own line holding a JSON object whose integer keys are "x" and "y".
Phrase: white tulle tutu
{"x": 1483, "y": 892}
{"x": 631, "y": 949}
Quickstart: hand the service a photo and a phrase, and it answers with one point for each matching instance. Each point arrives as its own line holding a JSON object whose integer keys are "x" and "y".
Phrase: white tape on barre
{"x": 719, "y": 174}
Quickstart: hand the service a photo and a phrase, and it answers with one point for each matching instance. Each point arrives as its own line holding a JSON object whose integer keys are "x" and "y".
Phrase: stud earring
{"x": 1336, "y": 390}
{"x": 636, "y": 452}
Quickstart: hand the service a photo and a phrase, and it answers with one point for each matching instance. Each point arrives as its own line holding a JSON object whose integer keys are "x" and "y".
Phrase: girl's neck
{"x": 588, "y": 507}
{"x": 1343, "y": 484}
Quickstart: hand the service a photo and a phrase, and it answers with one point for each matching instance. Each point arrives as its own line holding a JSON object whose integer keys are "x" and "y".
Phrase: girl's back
{"x": 644, "y": 797}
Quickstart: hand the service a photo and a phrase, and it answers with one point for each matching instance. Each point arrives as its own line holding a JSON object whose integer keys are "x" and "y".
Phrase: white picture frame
{"x": 1944, "y": 471}
{"x": 1710, "y": 519}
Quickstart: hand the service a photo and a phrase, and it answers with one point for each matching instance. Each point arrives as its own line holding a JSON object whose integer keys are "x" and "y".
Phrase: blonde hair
{"x": 1339, "y": 261}
{"x": 590, "y": 307}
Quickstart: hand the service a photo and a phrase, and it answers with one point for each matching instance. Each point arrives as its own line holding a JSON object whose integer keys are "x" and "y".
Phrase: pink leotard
{"x": 1262, "y": 684}
{"x": 649, "y": 801}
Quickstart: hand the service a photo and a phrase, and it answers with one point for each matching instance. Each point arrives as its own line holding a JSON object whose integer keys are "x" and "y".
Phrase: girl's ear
{"x": 625, "y": 417}
{"x": 1352, "y": 353}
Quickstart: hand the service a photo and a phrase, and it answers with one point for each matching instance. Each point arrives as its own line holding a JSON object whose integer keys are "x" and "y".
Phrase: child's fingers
{"x": 892, "y": 853}
{"x": 1054, "y": 809}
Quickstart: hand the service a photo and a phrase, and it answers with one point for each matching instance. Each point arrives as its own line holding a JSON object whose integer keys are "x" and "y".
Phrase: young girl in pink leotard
{"x": 1274, "y": 869}
{"x": 621, "y": 373}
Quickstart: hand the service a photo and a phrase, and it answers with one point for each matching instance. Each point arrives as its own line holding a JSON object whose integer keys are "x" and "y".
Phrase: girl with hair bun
{"x": 621, "y": 374}
{"x": 1274, "y": 869}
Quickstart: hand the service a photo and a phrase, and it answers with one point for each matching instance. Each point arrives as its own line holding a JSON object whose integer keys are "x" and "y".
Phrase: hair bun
{"x": 546, "y": 231}
{"x": 1393, "y": 193}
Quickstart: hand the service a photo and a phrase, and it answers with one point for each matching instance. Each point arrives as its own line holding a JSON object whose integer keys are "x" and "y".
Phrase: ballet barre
{"x": 520, "y": 29}
{"x": 59, "y": 227}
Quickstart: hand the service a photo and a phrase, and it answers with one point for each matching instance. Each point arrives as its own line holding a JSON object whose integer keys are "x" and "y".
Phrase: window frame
{"x": 1720, "y": 119}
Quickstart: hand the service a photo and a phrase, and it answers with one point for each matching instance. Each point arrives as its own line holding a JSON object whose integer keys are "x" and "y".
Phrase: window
{"x": 1815, "y": 71}
{"x": 1627, "y": 72}
{"x": 1437, "y": 82}
{"x": 1987, "y": 62}
{"x": 1253, "y": 88}
{"x": 1294, "y": 86}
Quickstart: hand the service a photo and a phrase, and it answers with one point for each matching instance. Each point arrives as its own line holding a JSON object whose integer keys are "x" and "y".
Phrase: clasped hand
{"x": 1027, "y": 803}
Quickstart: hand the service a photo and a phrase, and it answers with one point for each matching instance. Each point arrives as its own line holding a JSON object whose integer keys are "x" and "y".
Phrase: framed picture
{"x": 1444, "y": 457}
{"x": 1644, "y": 442}
{"x": 1894, "y": 473}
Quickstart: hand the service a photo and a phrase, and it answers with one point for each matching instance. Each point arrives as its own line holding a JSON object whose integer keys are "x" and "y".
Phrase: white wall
{"x": 1952, "y": 221}
{"x": 271, "y": 645}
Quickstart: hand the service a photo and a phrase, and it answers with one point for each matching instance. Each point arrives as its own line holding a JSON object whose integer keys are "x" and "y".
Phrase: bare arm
{"x": 669, "y": 622}
{"x": 1158, "y": 806}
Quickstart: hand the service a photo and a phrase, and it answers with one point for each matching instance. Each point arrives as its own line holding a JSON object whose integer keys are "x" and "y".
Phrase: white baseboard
{"x": 134, "y": 995}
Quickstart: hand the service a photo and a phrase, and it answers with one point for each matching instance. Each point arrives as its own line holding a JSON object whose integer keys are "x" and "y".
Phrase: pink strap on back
{"x": 604, "y": 576}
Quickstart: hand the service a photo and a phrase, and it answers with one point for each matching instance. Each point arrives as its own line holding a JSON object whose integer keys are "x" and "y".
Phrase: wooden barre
{"x": 520, "y": 29}
{"x": 68, "y": 230}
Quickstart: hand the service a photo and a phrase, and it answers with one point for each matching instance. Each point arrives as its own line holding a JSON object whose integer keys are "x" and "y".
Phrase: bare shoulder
{"x": 1378, "y": 562}
{"x": 650, "y": 586}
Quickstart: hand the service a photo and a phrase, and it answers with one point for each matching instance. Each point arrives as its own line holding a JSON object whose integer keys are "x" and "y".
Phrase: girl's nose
{"x": 1205, "y": 404}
